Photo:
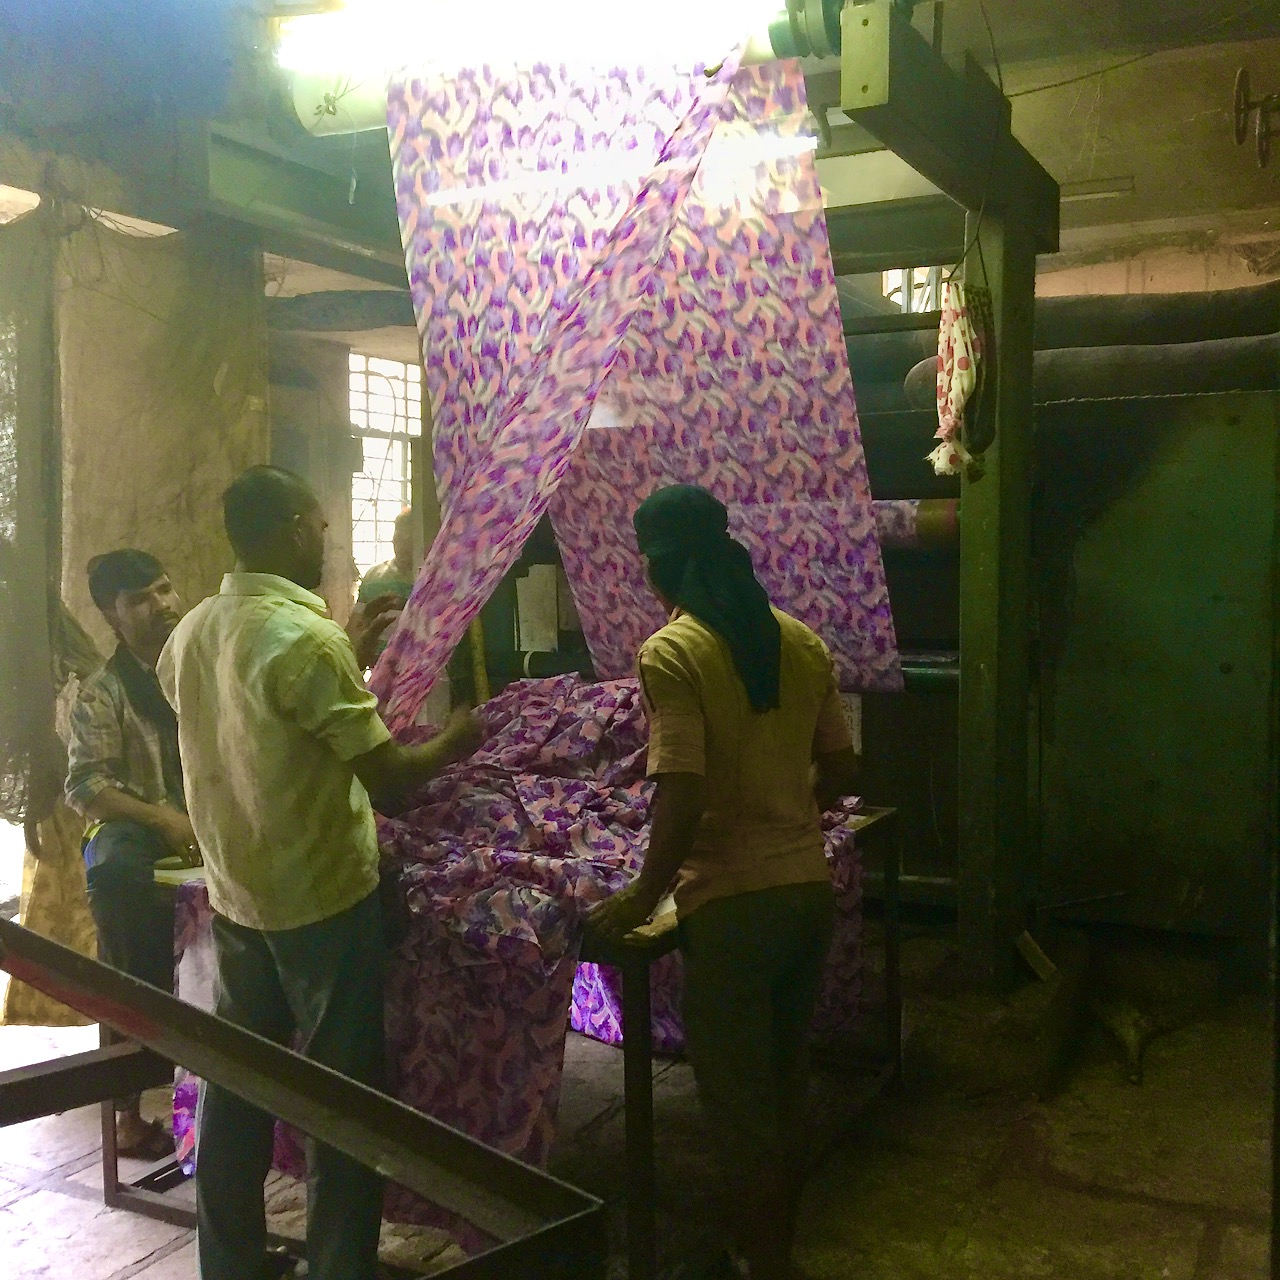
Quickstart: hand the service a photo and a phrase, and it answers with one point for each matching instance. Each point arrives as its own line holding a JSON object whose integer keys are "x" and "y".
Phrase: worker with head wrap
{"x": 747, "y": 744}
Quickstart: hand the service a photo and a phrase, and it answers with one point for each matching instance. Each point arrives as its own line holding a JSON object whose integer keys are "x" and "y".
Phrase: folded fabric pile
{"x": 499, "y": 862}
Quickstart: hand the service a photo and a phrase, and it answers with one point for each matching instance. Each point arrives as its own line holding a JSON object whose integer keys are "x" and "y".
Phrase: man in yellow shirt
{"x": 282, "y": 750}
{"x": 747, "y": 743}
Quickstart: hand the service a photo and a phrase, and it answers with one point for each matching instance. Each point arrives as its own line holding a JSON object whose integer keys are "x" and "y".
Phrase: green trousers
{"x": 753, "y": 966}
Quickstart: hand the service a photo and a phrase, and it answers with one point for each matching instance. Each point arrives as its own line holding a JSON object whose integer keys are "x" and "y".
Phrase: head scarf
{"x": 684, "y": 533}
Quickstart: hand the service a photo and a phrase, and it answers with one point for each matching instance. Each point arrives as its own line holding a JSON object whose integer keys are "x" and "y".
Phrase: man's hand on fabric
{"x": 367, "y": 624}
{"x": 177, "y": 830}
{"x": 617, "y": 916}
{"x": 463, "y": 733}
{"x": 391, "y": 773}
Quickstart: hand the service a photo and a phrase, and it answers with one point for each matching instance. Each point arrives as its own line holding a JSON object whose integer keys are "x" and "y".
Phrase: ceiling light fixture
{"x": 340, "y": 59}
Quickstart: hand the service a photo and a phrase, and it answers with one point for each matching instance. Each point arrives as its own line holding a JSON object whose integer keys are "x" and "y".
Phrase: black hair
{"x": 123, "y": 570}
{"x": 258, "y": 502}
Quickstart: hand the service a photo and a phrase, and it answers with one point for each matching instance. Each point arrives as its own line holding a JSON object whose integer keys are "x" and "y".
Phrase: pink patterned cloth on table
{"x": 597, "y": 988}
{"x": 499, "y": 861}
{"x": 734, "y": 375}
{"x": 193, "y": 947}
{"x": 535, "y": 206}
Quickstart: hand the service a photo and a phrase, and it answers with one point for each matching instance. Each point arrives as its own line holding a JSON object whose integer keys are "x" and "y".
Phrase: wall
{"x": 311, "y": 434}
{"x": 1156, "y": 540}
{"x": 164, "y": 398}
{"x": 1164, "y": 270}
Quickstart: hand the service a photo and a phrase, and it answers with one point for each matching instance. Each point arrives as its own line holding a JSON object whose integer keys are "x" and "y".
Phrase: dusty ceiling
{"x": 1028, "y": 31}
{"x": 1125, "y": 102}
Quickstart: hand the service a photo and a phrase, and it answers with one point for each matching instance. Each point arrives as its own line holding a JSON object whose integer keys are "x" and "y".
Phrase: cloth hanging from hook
{"x": 959, "y": 355}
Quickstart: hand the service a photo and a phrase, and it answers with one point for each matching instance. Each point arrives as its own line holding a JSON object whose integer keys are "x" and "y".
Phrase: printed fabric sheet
{"x": 734, "y": 375}
{"x": 622, "y": 279}
{"x": 499, "y": 861}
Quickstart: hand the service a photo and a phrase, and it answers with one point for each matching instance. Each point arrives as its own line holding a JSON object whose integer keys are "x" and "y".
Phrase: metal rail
{"x": 546, "y": 1229}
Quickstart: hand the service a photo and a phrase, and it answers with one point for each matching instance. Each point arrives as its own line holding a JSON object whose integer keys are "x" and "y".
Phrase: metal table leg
{"x": 893, "y": 945}
{"x": 637, "y": 1059}
{"x": 110, "y": 1157}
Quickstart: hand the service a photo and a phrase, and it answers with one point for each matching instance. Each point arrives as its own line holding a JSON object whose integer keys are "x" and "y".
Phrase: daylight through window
{"x": 386, "y": 414}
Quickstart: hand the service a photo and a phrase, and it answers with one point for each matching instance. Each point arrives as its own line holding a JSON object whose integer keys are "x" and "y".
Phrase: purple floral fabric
{"x": 597, "y": 988}
{"x": 897, "y": 522}
{"x": 644, "y": 251}
{"x": 734, "y": 375}
{"x": 193, "y": 947}
{"x": 499, "y": 861}
{"x": 535, "y": 206}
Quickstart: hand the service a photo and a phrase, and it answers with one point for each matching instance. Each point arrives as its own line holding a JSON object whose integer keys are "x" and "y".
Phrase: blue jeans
{"x": 134, "y": 917}
{"x": 323, "y": 982}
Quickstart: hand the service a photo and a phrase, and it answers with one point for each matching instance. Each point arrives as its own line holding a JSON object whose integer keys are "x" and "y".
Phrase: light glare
{"x": 369, "y": 39}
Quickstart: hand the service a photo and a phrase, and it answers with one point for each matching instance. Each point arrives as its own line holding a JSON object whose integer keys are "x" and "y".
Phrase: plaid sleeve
{"x": 96, "y": 758}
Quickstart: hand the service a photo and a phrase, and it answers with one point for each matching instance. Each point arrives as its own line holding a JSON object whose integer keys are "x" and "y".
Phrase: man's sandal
{"x": 154, "y": 1145}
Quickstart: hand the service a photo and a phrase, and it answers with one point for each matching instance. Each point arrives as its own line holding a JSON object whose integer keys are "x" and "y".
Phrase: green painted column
{"x": 995, "y": 840}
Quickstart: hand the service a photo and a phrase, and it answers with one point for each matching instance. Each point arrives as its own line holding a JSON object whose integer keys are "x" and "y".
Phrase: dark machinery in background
{"x": 1154, "y": 507}
{"x": 507, "y": 656}
{"x": 1244, "y": 106}
{"x": 1122, "y": 385}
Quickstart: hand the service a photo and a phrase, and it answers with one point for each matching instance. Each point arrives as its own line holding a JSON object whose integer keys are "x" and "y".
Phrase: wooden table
{"x": 633, "y": 956}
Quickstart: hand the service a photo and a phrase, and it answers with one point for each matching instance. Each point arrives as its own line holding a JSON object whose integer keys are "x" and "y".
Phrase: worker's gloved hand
{"x": 368, "y": 621}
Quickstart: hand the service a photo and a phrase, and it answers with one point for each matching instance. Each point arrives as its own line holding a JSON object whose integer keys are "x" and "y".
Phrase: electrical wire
{"x": 996, "y": 131}
{"x": 1190, "y": 38}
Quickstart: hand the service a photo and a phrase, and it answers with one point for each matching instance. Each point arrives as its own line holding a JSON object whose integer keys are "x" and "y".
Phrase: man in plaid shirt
{"x": 125, "y": 776}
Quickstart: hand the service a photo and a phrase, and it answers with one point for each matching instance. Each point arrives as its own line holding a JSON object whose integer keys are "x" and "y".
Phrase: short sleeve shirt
{"x": 761, "y": 827}
{"x": 271, "y": 710}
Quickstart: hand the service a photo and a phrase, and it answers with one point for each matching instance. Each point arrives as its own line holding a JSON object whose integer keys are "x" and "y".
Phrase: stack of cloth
{"x": 498, "y": 864}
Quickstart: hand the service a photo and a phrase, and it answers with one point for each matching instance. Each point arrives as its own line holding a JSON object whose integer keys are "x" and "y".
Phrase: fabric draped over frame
{"x": 641, "y": 252}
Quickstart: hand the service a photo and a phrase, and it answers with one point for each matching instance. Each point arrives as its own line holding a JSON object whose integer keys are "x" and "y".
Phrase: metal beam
{"x": 185, "y": 175}
{"x": 952, "y": 129}
{"x": 924, "y": 232}
{"x": 301, "y": 211}
{"x": 341, "y": 311}
{"x": 996, "y": 845}
{"x": 548, "y": 1228}
{"x": 79, "y": 1079}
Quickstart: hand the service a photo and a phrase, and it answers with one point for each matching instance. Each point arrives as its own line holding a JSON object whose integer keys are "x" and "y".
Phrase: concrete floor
{"x": 1168, "y": 1180}
{"x": 1106, "y": 1181}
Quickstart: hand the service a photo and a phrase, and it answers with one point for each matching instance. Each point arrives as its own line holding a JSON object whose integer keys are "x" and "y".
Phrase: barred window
{"x": 386, "y": 415}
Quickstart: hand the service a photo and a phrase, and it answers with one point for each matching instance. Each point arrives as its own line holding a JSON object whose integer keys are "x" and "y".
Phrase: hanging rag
{"x": 959, "y": 353}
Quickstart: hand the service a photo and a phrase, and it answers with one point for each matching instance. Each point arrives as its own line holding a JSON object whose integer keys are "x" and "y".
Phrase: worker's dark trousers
{"x": 133, "y": 915}
{"x": 753, "y": 966}
{"x": 323, "y": 981}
